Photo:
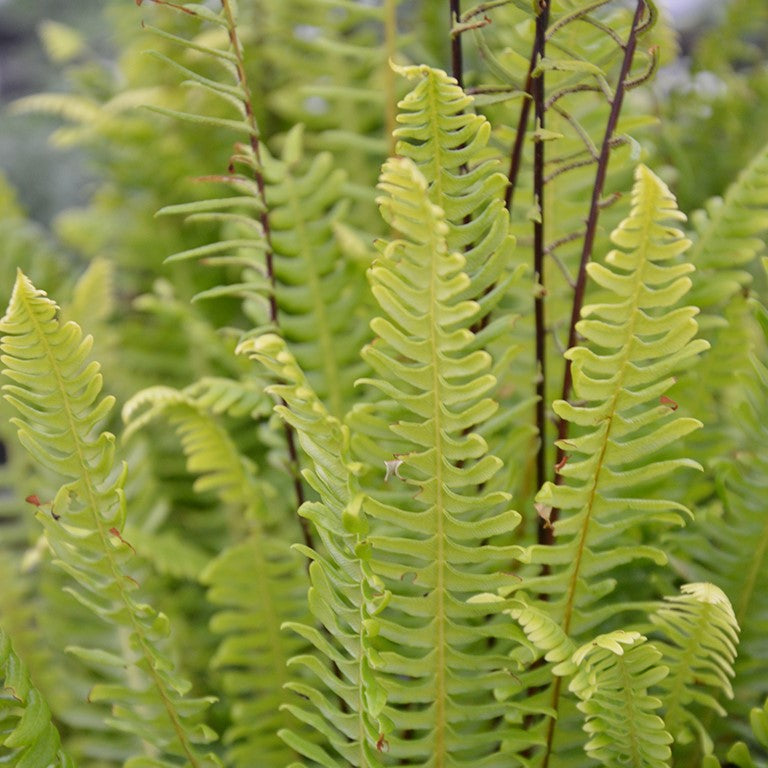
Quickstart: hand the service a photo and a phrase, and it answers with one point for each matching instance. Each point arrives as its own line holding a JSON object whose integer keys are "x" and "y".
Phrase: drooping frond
{"x": 700, "y": 635}
{"x": 343, "y": 699}
{"x": 256, "y": 583}
{"x": 614, "y": 673}
{"x": 28, "y": 738}
{"x": 438, "y": 548}
{"x": 57, "y": 393}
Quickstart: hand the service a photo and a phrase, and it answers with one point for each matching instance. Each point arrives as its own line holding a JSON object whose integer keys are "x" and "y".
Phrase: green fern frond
{"x": 57, "y": 394}
{"x": 700, "y": 637}
{"x": 448, "y": 143}
{"x": 344, "y": 699}
{"x": 634, "y": 343}
{"x": 28, "y": 738}
{"x": 256, "y": 583}
{"x": 614, "y": 673}
{"x": 729, "y": 235}
{"x": 211, "y": 452}
{"x": 439, "y": 548}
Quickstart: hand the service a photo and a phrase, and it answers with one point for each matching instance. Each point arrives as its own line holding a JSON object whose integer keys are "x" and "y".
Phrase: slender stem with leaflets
{"x": 293, "y": 455}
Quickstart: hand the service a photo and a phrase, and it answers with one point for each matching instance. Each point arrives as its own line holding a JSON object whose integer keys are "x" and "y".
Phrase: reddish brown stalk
{"x": 457, "y": 56}
{"x": 522, "y": 123}
{"x": 293, "y": 455}
{"x": 544, "y": 533}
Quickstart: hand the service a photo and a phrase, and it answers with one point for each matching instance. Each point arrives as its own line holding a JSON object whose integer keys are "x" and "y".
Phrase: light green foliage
{"x": 29, "y": 739}
{"x": 57, "y": 393}
{"x": 634, "y": 341}
{"x": 700, "y": 639}
{"x": 371, "y": 522}
{"x": 614, "y": 674}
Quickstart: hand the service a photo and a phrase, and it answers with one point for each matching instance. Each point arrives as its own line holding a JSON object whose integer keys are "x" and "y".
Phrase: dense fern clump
{"x": 460, "y": 467}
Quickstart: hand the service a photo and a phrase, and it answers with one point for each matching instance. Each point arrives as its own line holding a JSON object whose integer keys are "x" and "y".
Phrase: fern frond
{"x": 700, "y": 637}
{"x": 256, "y": 584}
{"x": 57, "y": 394}
{"x": 614, "y": 674}
{"x": 344, "y": 699}
{"x": 633, "y": 345}
{"x": 729, "y": 235}
{"x": 28, "y": 738}
{"x": 634, "y": 341}
{"x": 448, "y": 143}
{"x": 439, "y": 548}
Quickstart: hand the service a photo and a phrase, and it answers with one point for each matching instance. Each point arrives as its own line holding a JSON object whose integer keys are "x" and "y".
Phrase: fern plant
{"x": 473, "y": 479}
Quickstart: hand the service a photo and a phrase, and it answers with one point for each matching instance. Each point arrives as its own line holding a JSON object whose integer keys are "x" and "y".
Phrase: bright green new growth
{"x": 420, "y": 621}
{"x": 700, "y": 639}
{"x": 634, "y": 341}
{"x": 57, "y": 393}
{"x": 614, "y": 674}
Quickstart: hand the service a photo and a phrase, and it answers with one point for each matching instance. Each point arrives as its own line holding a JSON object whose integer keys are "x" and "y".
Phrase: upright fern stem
{"x": 293, "y": 455}
{"x": 542, "y": 20}
{"x": 457, "y": 56}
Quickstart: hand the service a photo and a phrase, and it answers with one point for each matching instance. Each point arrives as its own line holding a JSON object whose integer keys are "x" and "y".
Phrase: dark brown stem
{"x": 592, "y": 219}
{"x": 293, "y": 455}
{"x": 544, "y": 532}
{"x": 457, "y": 57}
{"x": 522, "y": 123}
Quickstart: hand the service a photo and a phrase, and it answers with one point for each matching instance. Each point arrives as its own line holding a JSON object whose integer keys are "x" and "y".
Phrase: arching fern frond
{"x": 700, "y": 636}
{"x": 28, "y": 738}
{"x": 344, "y": 699}
{"x": 57, "y": 393}
{"x": 614, "y": 674}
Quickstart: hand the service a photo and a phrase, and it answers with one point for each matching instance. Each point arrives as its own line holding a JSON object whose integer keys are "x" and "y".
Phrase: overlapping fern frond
{"x": 700, "y": 636}
{"x": 635, "y": 339}
{"x": 614, "y": 674}
{"x": 58, "y": 395}
{"x": 256, "y": 582}
{"x": 448, "y": 144}
{"x": 343, "y": 700}
{"x": 440, "y": 549}
{"x": 29, "y": 738}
